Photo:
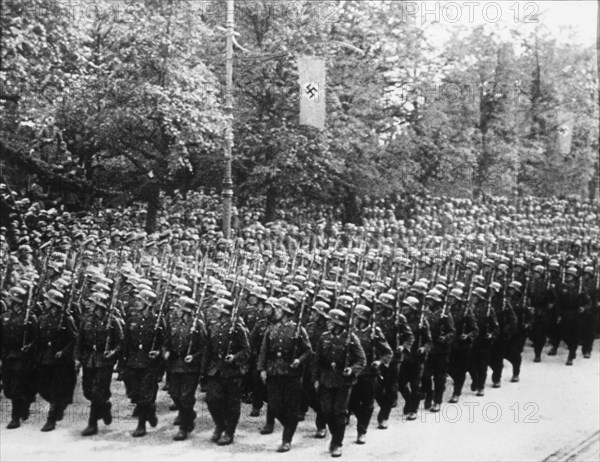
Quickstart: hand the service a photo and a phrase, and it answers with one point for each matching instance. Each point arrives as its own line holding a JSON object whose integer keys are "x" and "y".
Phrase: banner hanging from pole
{"x": 311, "y": 71}
{"x": 564, "y": 131}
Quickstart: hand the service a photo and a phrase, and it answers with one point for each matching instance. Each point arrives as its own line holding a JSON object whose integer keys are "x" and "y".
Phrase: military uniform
{"x": 487, "y": 326}
{"x": 280, "y": 347}
{"x": 332, "y": 354}
{"x": 55, "y": 361}
{"x": 507, "y": 326}
{"x": 98, "y": 334}
{"x": 460, "y": 352}
{"x": 17, "y": 343}
{"x": 224, "y": 379}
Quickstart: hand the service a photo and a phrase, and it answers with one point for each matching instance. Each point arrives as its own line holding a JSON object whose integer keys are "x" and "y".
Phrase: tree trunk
{"x": 153, "y": 204}
{"x": 351, "y": 208}
{"x": 271, "y": 205}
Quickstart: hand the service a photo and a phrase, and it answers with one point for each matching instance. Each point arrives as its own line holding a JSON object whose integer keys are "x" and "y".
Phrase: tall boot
{"x": 141, "y": 426}
{"x": 152, "y": 419}
{"x": 106, "y": 413}
{"x": 92, "y": 427}
{"x": 51, "y": 421}
{"x": 15, "y": 417}
{"x": 183, "y": 426}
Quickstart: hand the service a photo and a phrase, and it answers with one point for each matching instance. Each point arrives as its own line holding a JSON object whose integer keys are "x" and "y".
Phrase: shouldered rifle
{"x": 27, "y": 314}
{"x": 349, "y": 332}
{"x": 196, "y": 317}
{"x": 298, "y": 326}
{"x": 113, "y": 301}
{"x": 161, "y": 306}
{"x": 234, "y": 313}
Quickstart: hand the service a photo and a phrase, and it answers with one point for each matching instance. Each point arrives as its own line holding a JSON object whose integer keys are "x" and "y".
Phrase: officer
{"x": 339, "y": 360}
{"x": 184, "y": 345}
{"x": 411, "y": 370}
{"x": 55, "y": 358}
{"x": 378, "y": 352}
{"x": 441, "y": 325}
{"x": 144, "y": 334}
{"x": 224, "y": 364}
{"x": 285, "y": 350}
{"x": 99, "y": 344}
{"x": 18, "y": 327}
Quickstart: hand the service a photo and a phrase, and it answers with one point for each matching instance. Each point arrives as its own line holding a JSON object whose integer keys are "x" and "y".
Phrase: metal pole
{"x": 227, "y": 180}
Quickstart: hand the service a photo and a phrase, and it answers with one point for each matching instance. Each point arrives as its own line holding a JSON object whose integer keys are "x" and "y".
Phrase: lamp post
{"x": 227, "y": 193}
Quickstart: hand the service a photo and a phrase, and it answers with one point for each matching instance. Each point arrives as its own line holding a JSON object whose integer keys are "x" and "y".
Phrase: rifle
{"x": 234, "y": 313}
{"x": 161, "y": 306}
{"x": 27, "y": 314}
{"x": 298, "y": 327}
{"x": 349, "y": 333}
{"x": 113, "y": 301}
{"x": 196, "y": 316}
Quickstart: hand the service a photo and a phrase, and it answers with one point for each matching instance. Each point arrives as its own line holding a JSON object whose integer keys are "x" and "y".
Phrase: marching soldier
{"x": 441, "y": 325}
{"x": 507, "y": 325}
{"x": 55, "y": 356}
{"x": 411, "y": 370}
{"x": 591, "y": 311}
{"x": 466, "y": 333}
{"x": 224, "y": 364}
{"x": 184, "y": 345}
{"x": 378, "y": 352}
{"x": 400, "y": 338}
{"x": 570, "y": 301}
{"x": 18, "y": 327}
{"x": 339, "y": 360}
{"x": 522, "y": 328}
{"x": 141, "y": 357}
{"x": 487, "y": 326}
{"x": 99, "y": 344}
{"x": 538, "y": 296}
{"x": 285, "y": 350}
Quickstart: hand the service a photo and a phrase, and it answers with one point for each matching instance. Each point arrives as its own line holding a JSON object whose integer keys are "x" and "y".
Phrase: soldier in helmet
{"x": 224, "y": 364}
{"x": 591, "y": 311}
{"x": 55, "y": 357}
{"x": 523, "y": 326}
{"x": 411, "y": 370}
{"x": 315, "y": 327}
{"x": 99, "y": 344}
{"x": 466, "y": 333}
{"x": 285, "y": 350}
{"x": 144, "y": 336}
{"x": 538, "y": 296}
{"x": 184, "y": 342}
{"x": 441, "y": 325}
{"x": 400, "y": 338}
{"x": 18, "y": 328}
{"x": 507, "y": 325}
{"x": 339, "y": 360}
{"x": 570, "y": 302}
{"x": 488, "y": 330}
{"x": 378, "y": 352}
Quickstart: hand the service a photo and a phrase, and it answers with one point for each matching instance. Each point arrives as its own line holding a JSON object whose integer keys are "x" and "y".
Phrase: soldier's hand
{"x": 421, "y": 350}
{"x": 109, "y": 354}
{"x": 581, "y": 309}
{"x": 317, "y": 386}
{"x": 188, "y": 359}
{"x": 400, "y": 349}
{"x": 295, "y": 363}
{"x": 58, "y": 355}
{"x": 348, "y": 372}
{"x": 464, "y": 337}
{"x": 441, "y": 338}
{"x": 488, "y": 336}
{"x": 77, "y": 364}
{"x": 26, "y": 348}
{"x": 166, "y": 355}
{"x": 263, "y": 376}
{"x": 229, "y": 358}
{"x": 376, "y": 364}
{"x": 153, "y": 354}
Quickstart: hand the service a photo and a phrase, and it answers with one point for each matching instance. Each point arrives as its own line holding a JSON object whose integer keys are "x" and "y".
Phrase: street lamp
{"x": 227, "y": 193}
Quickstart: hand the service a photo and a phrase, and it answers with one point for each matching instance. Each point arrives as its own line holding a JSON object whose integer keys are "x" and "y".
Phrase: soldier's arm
{"x": 359, "y": 359}
{"x": 305, "y": 347}
{"x": 450, "y": 329}
{"x": 244, "y": 345}
{"x": 264, "y": 349}
{"x": 472, "y": 325}
{"x": 383, "y": 348}
{"x": 407, "y": 337}
{"x": 118, "y": 334}
{"x": 72, "y": 335}
{"x": 315, "y": 362}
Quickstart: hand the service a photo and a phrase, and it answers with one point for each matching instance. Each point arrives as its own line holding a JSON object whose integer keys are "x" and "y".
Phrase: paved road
{"x": 553, "y": 414}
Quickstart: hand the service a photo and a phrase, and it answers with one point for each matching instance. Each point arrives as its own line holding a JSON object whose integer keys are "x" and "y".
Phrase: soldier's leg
{"x": 101, "y": 392}
{"x": 496, "y": 361}
{"x": 388, "y": 392}
{"x": 233, "y": 399}
{"x": 426, "y": 382}
{"x": 589, "y": 327}
{"x": 439, "y": 378}
{"x": 88, "y": 392}
{"x": 415, "y": 381}
{"x": 291, "y": 390}
{"x": 340, "y": 407}
{"x": 215, "y": 401}
{"x": 403, "y": 384}
{"x": 367, "y": 403}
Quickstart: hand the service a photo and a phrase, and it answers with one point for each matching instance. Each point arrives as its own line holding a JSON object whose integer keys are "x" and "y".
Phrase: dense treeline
{"x": 123, "y": 101}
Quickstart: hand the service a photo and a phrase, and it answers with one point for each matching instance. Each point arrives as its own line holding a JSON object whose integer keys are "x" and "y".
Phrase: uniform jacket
{"x": 221, "y": 342}
{"x": 179, "y": 335}
{"x": 140, "y": 334}
{"x": 280, "y": 348}
{"x": 56, "y": 332}
{"x": 14, "y": 331}
{"x": 376, "y": 348}
{"x": 92, "y": 340}
{"x": 330, "y": 357}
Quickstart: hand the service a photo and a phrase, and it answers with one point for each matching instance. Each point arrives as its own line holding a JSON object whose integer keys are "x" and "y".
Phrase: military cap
{"x": 572, "y": 271}
{"x": 515, "y": 285}
{"x": 411, "y": 302}
{"x": 362, "y": 312}
{"x": 434, "y": 294}
{"x": 54, "y": 296}
{"x": 186, "y": 304}
{"x": 223, "y": 305}
{"x": 321, "y": 307}
{"x": 147, "y": 296}
{"x": 286, "y": 304}
{"x": 456, "y": 293}
{"x": 99, "y": 299}
{"x": 480, "y": 292}
{"x": 17, "y": 294}
{"x": 338, "y": 317}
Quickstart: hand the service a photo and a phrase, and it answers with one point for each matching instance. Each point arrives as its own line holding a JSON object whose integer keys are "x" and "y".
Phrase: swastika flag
{"x": 311, "y": 71}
